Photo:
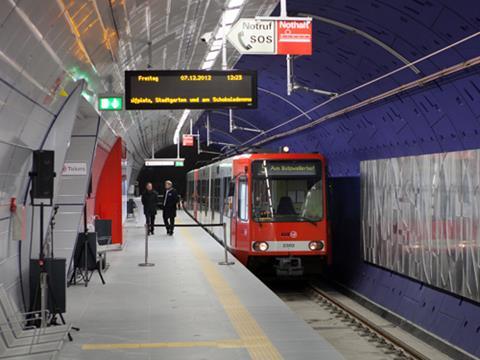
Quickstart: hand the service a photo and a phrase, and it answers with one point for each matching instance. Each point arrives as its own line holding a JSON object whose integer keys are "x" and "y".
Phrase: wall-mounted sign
{"x": 177, "y": 162}
{"x": 74, "y": 169}
{"x": 270, "y": 36}
{"x": 190, "y": 89}
{"x": 110, "y": 103}
{"x": 187, "y": 140}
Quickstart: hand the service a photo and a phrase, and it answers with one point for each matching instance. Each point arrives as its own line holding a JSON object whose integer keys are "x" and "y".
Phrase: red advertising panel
{"x": 187, "y": 140}
{"x": 294, "y": 37}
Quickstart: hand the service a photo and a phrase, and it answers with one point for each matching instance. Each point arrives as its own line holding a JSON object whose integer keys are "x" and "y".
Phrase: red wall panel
{"x": 108, "y": 190}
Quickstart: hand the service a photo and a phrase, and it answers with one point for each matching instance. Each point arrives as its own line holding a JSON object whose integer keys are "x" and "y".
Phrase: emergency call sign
{"x": 272, "y": 36}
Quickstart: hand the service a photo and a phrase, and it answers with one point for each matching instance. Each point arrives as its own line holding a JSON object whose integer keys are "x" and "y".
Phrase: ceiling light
{"x": 230, "y": 15}
{"x": 235, "y": 3}
{"x": 216, "y": 45}
{"x": 212, "y": 55}
{"x": 208, "y": 64}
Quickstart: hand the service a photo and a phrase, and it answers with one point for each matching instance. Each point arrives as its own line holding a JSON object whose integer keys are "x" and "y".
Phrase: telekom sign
{"x": 294, "y": 37}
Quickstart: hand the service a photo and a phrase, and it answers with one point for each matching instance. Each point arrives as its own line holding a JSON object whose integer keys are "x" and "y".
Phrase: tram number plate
{"x": 288, "y": 245}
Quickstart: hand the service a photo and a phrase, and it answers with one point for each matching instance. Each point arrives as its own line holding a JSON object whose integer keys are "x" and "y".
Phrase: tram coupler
{"x": 288, "y": 266}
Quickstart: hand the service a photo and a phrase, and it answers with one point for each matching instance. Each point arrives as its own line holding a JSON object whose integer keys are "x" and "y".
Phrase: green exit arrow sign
{"x": 110, "y": 103}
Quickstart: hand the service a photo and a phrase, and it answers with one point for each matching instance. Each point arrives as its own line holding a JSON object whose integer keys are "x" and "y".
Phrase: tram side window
{"x": 216, "y": 195}
{"x": 202, "y": 193}
{"x": 242, "y": 200}
{"x": 227, "y": 210}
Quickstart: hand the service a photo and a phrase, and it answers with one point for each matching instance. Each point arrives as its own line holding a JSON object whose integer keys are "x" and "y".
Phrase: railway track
{"x": 353, "y": 333}
{"x": 366, "y": 328}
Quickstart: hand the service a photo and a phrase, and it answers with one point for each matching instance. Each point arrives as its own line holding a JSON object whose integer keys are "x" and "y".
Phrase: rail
{"x": 374, "y": 330}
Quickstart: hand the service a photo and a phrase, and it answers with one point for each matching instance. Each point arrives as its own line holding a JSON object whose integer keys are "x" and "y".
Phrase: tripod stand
{"x": 85, "y": 259}
{"x": 85, "y": 256}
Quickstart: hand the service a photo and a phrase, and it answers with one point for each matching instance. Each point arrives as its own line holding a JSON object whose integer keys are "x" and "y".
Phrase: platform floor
{"x": 185, "y": 307}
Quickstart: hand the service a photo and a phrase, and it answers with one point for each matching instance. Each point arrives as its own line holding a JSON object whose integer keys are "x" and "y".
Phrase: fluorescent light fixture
{"x": 180, "y": 124}
{"x": 235, "y": 3}
{"x": 208, "y": 64}
{"x": 230, "y": 15}
{"x": 216, "y": 45}
{"x": 212, "y": 55}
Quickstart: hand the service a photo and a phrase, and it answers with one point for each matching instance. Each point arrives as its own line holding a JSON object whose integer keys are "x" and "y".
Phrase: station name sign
{"x": 190, "y": 89}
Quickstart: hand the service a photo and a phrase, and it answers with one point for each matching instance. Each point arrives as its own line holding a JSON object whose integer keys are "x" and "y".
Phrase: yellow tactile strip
{"x": 257, "y": 343}
{"x": 221, "y": 344}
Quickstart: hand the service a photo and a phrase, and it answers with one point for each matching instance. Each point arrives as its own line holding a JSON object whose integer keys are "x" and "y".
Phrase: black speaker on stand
{"x": 45, "y": 294}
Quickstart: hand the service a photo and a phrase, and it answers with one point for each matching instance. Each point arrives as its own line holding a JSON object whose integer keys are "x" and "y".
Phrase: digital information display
{"x": 286, "y": 168}
{"x": 190, "y": 89}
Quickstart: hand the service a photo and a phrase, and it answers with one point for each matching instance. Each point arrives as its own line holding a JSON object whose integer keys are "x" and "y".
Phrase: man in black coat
{"x": 149, "y": 201}
{"x": 170, "y": 206}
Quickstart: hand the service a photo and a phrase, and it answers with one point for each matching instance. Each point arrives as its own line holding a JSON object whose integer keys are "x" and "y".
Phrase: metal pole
{"x": 208, "y": 129}
{"x": 43, "y": 298}
{"x": 146, "y": 263}
{"x": 289, "y": 76}
{"x": 283, "y": 8}
{"x": 199, "y": 149}
{"x": 225, "y": 262}
{"x": 231, "y": 124}
{"x": 178, "y": 147}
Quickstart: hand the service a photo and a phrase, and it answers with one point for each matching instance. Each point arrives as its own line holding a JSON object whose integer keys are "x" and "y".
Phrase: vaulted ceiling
{"x": 362, "y": 50}
{"x": 45, "y": 46}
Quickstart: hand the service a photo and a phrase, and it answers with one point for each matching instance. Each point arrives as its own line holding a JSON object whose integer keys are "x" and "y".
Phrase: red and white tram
{"x": 274, "y": 205}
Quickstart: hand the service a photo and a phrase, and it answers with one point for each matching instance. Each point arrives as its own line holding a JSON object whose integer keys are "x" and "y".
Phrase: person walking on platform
{"x": 149, "y": 201}
{"x": 170, "y": 206}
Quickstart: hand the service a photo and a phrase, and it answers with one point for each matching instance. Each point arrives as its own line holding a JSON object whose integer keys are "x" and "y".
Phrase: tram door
{"x": 241, "y": 238}
{"x": 233, "y": 202}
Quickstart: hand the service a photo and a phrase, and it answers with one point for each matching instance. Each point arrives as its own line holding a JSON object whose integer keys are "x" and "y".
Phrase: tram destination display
{"x": 286, "y": 168}
{"x": 190, "y": 89}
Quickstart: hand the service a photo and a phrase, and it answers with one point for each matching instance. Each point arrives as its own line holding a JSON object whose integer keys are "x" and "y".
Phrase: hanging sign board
{"x": 187, "y": 140}
{"x": 177, "y": 162}
{"x": 190, "y": 89}
{"x": 294, "y": 37}
{"x": 251, "y": 36}
{"x": 271, "y": 36}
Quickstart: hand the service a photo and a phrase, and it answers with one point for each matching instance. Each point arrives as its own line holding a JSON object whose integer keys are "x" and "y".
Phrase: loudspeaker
{"x": 56, "y": 295}
{"x": 86, "y": 246}
{"x": 43, "y": 173}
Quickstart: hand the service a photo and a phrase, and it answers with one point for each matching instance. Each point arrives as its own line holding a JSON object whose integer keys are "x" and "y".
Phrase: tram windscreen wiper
{"x": 311, "y": 221}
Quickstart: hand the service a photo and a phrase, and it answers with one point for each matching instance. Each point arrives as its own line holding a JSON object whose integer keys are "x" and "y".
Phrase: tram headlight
{"x": 316, "y": 245}
{"x": 260, "y": 246}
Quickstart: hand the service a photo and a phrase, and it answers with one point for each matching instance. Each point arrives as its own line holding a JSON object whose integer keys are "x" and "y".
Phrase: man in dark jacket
{"x": 149, "y": 201}
{"x": 170, "y": 207}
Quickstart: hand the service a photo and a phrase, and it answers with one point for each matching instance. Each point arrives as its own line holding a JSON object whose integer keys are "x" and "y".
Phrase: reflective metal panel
{"x": 420, "y": 217}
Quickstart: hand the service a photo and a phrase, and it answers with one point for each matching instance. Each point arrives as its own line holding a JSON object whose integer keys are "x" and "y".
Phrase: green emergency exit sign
{"x": 179, "y": 163}
{"x": 110, "y": 103}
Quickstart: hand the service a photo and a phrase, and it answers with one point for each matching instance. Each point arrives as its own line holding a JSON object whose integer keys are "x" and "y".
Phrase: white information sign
{"x": 74, "y": 169}
{"x": 252, "y": 36}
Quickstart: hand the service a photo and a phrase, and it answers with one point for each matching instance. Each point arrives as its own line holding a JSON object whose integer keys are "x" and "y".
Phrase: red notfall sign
{"x": 187, "y": 140}
{"x": 294, "y": 37}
